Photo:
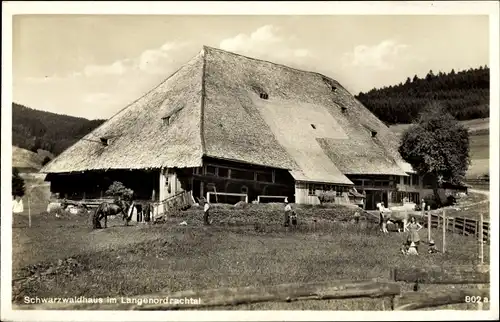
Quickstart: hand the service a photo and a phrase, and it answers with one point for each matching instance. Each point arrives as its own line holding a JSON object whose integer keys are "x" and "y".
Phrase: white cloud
{"x": 98, "y": 98}
{"x": 151, "y": 61}
{"x": 100, "y": 90}
{"x": 267, "y": 42}
{"x": 116, "y": 68}
{"x": 383, "y": 56}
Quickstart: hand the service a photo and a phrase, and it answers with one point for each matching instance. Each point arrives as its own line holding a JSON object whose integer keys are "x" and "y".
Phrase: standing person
{"x": 423, "y": 204}
{"x": 382, "y": 223}
{"x": 293, "y": 218}
{"x": 206, "y": 209}
{"x": 413, "y": 227}
{"x": 288, "y": 210}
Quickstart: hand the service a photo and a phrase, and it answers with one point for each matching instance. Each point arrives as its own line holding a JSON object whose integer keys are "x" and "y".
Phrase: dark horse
{"x": 106, "y": 209}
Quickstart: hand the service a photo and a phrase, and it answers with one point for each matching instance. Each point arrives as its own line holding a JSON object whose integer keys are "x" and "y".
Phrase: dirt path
{"x": 482, "y": 192}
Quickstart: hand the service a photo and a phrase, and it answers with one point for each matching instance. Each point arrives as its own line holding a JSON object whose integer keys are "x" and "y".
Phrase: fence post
{"x": 29, "y": 210}
{"x": 481, "y": 240}
{"x": 454, "y": 224}
{"x": 444, "y": 231}
{"x": 429, "y": 224}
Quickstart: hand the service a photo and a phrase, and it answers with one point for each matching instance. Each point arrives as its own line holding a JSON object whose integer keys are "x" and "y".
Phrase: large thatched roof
{"x": 308, "y": 124}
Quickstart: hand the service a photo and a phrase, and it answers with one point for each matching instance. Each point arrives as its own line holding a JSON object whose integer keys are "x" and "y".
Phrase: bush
{"x": 431, "y": 201}
{"x": 117, "y": 189}
{"x": 18, "y": 188}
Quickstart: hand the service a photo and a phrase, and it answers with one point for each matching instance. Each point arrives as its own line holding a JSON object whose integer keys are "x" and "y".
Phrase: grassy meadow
{"x": 142, "y": 259}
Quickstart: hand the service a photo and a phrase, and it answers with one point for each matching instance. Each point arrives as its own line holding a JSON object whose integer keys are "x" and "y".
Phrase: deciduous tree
{"x": 437, "y": 145}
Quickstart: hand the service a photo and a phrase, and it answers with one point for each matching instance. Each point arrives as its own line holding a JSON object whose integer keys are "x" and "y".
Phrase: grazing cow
{"x": 106, "y": 209}
{"x": 401, "y": 218}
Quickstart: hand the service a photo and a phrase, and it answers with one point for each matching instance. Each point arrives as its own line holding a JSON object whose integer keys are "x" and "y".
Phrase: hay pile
{"x": 270, "y": 214}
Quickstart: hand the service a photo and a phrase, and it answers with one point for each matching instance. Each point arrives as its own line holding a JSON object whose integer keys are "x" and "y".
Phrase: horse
{"x": 106, "y": 209}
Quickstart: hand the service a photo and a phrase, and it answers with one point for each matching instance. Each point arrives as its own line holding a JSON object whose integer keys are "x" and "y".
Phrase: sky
{"x": 93, "y": 66}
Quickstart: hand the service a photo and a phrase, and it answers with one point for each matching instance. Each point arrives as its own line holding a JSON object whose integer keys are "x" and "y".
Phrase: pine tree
{"x": 429, "y": 76}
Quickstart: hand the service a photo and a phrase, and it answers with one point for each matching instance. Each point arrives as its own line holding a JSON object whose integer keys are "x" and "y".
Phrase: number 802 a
{"x": 476, "y": 299}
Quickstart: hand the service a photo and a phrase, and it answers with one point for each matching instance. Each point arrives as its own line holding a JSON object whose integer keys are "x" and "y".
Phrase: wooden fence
{"x": 385, "y": 289}
{"x": 460, "y": 225}
{"x": 479, "y": 183}
{"x": 179, "y": 201}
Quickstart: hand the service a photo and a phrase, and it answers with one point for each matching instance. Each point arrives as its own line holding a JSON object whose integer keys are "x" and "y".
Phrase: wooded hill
{"x": 465, "y": 94}
{"x": 33, "y": 129}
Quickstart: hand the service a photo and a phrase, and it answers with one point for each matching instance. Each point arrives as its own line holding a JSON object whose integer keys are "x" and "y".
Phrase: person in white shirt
{"x": 288, "y": 210}
{"x": 206, "y": 209}
{"x": 423, "y": 205}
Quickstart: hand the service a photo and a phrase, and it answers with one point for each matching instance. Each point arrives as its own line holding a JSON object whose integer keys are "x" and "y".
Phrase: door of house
{"x": 370, "y": 200}
{"x": 196, "y": 189}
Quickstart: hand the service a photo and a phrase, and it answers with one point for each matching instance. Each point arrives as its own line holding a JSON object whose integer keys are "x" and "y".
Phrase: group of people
{"x": 410, "y": 246}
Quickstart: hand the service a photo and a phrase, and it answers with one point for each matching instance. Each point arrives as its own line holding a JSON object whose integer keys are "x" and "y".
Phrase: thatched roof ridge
{"x": 229, "y": 106}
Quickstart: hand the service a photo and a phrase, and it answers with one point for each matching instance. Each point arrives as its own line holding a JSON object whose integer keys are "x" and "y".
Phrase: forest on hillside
{"x": 465, "y": 94}
{"x": 33, "y": 129}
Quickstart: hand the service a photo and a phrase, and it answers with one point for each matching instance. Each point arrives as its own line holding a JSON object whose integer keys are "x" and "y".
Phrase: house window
{"x": 334, "y": 89}
{"x": 211, "y": 170}
{"x": 339, "y": 190}
{"x": 415, "y": 180}
{"x": 264, "y": 177}
{"x": 406, "y": 180}
{"x": 242, "y": 174}
{"x": 264, "y": 96}
{"x": 244, "y": 189}
{"x": 105, "y": 141}
{"x": 311, "y": 190}
{"x": 374, "y": 134}
{"x": 223, "y": 172}
{"x": 357, "y": 182}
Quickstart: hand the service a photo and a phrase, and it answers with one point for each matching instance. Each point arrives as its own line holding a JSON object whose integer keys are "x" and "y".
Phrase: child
{"x": 413, "y": 249}
{"x": 432, "y": 247}
{"x": 293, "y": 217}
{"x": 404, "y": 248}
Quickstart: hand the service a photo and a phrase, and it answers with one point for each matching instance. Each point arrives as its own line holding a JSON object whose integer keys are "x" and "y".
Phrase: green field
{"x": 141, "y": 259}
